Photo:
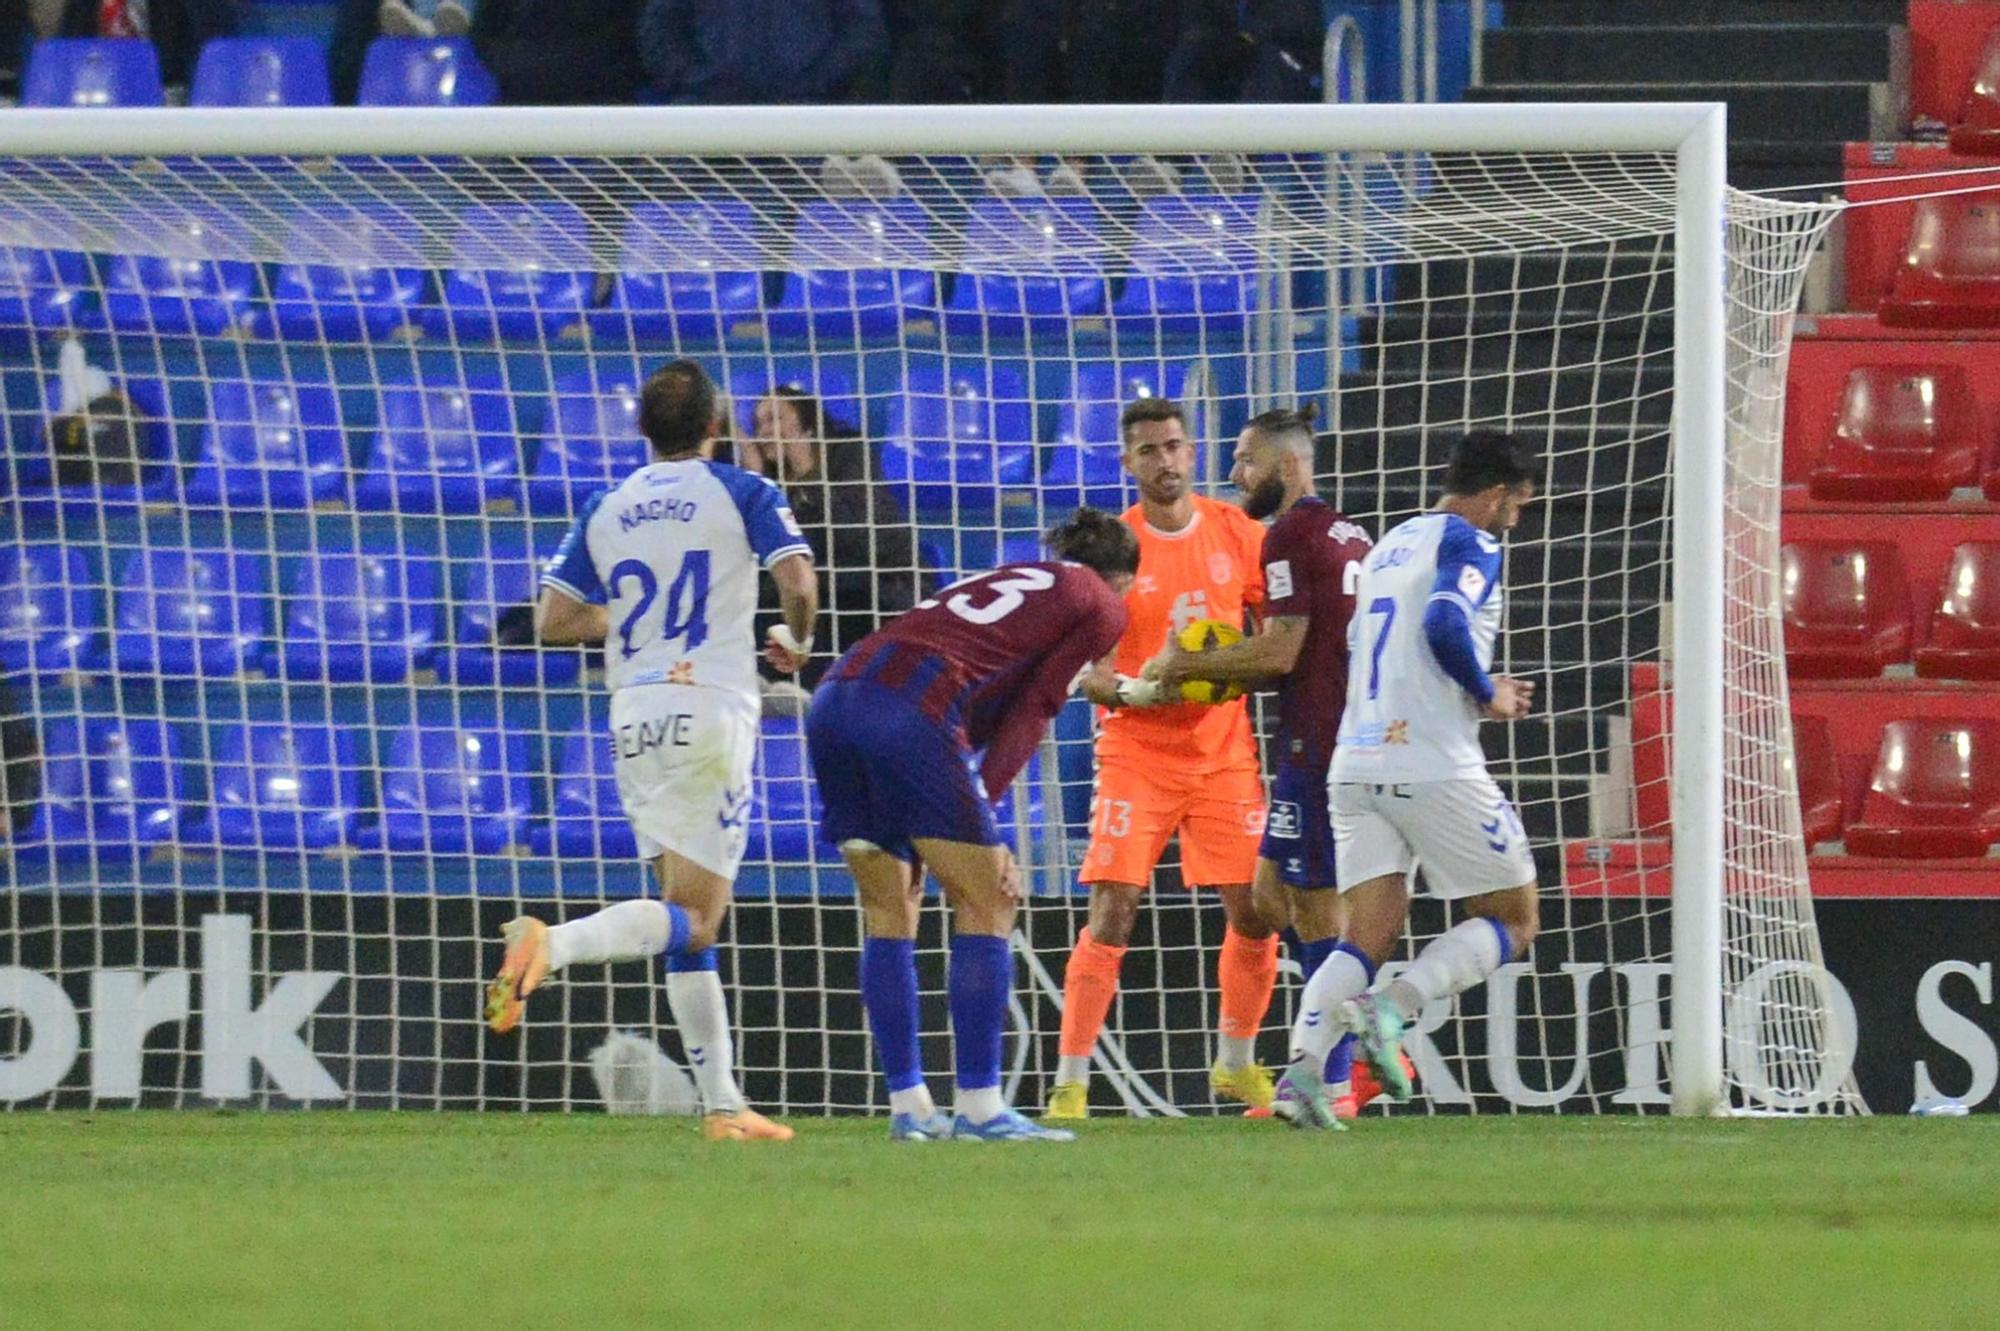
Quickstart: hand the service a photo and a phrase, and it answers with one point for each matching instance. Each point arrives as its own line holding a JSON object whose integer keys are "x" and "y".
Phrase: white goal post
{"x": 1740, "y": 903}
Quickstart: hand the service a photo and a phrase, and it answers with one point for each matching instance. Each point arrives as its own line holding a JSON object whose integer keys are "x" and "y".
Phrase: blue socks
{"x": 889, "y": 994}
{"x": 981, "y": 982}
{"x": 1339, "y": 1063}
{"x": 680, "y": 963}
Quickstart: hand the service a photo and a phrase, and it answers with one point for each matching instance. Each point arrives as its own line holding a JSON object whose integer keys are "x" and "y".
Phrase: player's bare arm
{"x": 790, "y": 644}
{"x": 1512, "y": 698}
{"x": 563, "y": 621}
{"x": 1270, "y": 654}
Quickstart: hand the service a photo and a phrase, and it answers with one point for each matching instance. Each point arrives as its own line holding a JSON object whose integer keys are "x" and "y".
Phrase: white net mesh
{"x": 299, "y": 759}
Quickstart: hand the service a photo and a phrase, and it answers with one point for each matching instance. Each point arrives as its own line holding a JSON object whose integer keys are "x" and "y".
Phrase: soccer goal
{"x": 296, "y": 401}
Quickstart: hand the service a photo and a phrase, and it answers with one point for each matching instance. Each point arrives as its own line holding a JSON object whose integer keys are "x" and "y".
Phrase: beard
{"x": 1266, "y": 499}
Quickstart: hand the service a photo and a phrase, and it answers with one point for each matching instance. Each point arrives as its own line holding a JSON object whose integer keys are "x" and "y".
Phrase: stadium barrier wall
{"x": 283, "y": 999}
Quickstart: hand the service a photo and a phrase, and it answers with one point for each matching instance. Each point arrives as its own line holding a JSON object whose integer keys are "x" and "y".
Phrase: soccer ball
{"x": 1206, "y": 635}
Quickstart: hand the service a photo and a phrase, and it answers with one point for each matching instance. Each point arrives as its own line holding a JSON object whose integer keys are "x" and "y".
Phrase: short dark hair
{"x": 1149, "y": 409}
{"x": 1096, "y": 540}
{"x": 1486, "y": 458}
{"x": 1295, "y": 426}
{"x": 677, "y": 408}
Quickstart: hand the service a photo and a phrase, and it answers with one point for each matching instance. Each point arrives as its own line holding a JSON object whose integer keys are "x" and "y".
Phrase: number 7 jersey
{"x": 672, "y": 552}
{"x": 1406, "y": 719}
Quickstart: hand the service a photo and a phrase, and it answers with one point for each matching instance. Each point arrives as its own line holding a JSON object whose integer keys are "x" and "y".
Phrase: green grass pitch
{"x": 510, "y": 1221}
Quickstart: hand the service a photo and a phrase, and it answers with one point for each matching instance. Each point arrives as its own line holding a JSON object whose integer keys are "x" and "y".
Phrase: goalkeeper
{"x": 1173, "y": 768}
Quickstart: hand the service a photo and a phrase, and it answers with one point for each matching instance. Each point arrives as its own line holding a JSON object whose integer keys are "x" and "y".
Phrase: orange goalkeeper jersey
{"x": 1210, "y": 569}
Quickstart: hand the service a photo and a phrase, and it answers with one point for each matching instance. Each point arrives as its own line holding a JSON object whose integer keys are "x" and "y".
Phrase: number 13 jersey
{"x": 672, "y": 553}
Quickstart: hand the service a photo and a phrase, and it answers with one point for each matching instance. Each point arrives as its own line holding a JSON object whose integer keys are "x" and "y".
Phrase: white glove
{"x": 781, "y": 635}
{"x": 1140, "y": 692}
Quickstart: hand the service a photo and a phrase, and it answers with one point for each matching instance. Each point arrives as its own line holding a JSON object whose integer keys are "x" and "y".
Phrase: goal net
{"x": 289, "y": 427}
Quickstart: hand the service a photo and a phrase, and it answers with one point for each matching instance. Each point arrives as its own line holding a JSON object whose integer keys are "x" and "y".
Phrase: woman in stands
{"x": 863, "y": 543}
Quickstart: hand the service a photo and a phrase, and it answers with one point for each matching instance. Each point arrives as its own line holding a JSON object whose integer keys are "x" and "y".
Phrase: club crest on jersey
{"x": 1397, "y": 732}
{"x": 1285, "y": 820}
{"x": 1253, "y": 820}
{"x": 1221, "y": 568}
{"x": 682, "y": 673}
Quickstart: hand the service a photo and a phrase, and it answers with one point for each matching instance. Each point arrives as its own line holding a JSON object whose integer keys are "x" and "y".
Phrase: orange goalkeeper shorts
{"x": 1219, "y": 816}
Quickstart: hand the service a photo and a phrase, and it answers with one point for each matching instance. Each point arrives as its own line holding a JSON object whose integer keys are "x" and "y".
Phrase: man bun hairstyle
{"x": 1141, "y": 409}
{"x": 1486, "y": 458}
{"x": 677, "y": 408}
{"x": 1096, "y": 540}
{"x": 1290, "y": 426}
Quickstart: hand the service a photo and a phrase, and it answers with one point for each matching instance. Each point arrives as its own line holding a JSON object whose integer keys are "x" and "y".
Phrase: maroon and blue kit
{"x": 1311, "y": 558}
{"x": 923, "y": 723}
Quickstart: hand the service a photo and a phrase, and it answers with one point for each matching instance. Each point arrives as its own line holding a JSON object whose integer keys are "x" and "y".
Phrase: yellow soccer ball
{"x": 1205, "y": 635}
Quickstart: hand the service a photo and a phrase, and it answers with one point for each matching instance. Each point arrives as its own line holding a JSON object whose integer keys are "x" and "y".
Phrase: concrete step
{"x": 1813, "y": 112}
{"x": 1682, "y": 53}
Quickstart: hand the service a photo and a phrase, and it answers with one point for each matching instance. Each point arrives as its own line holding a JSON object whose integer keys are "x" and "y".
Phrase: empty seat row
{"x": 1950, "y": 273}
{"x": 363, "y": 615}
{"x": 114, "y": 783}
{"x": 255, "y": 71}
{"x": 1848, "y": 615}
{"x": 1907, "y": 433}
{"x": 956, "y": 435}
{"x": 693, "y": 268}
{"x": 1934, "y": 791}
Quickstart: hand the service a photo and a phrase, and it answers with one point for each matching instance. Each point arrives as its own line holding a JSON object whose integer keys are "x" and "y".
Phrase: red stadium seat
{"x": 1818, "y": 769}
{"x": 1950, "y": 274}
{"x": 1978, "y": 128}
{"x": 1965, "y": 631}
{"x": 1935, "y": 793}
{"x": 1847, "y": 608}
{"x": 1905, "y": 434}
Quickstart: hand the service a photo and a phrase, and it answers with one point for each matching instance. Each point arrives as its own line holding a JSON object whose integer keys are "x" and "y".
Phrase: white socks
{"x": 1456, "y": 960}
{"x": 980, "y": 1105}
{"x": 624, "y": 932}
{"x": 1073, "y": 1067}
{"x": 703, "y": 1018}
{"x": 1339, "y": 979}
{"x": 1235, "y": 1051}
{"x": 916, "y": 1102}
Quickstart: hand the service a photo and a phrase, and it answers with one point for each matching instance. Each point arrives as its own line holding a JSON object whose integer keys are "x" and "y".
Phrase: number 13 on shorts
{"x": 1111, "y": 818}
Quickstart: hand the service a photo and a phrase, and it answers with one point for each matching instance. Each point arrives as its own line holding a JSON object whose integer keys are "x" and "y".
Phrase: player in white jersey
{"x": 1409, "y": 784}
{"x": 662, "y": 569}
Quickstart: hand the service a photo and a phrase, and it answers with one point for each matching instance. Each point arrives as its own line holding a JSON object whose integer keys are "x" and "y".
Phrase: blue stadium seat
{"x": 93, "y": 71}
{"x": 1084, "y": 464}
{"x": 784, "y": 822}
{"x": 368, "y": 277}
{"x": 1028, "y": 264}
{"x": 178, "y": 288}
{"x": 34, "y": 463}
{"x": 1194, "y": 262}
{"x": 687, "y": 269}
{"x": 366, "y": 615}
{"x": 586, "y": 818}
{"x": 50, "y": 614}
{"x": 859, "y": 267}
{"x": 269, "y": 445}
{"x": 189, "y": 612}
{"x": 830, "y": 382}
{"x": 261, "y": 71}
{"x": 280, "y": 785}
{"x": 451, "y": 792}
{"x": 42, "y": 288}
{"x": 501, "y": 578}
{"x": 498, "y": 284}
{"x": 442, "y": 448}
{"x": 958, "y": 434}
{"x": 424, "y": 71}
{"x": 593, "y": 439}
{"x": 108, "y": 784}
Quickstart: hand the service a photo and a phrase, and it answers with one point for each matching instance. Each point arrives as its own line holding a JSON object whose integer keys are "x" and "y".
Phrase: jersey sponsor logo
{"x": 674, "y": 730}
{"x": 1278, "y": 578}
{"x": 1471, "y": 583}
{"x": 1188, "y": 608}
{"x": 1393, "y": 556}
{"x": 1347, "y": 531}
{"x": 1285, "y": 820}
{"x": 1145, "y": 584}
{"x": 662, "y": 509}
{"x": 1221, "y": 568}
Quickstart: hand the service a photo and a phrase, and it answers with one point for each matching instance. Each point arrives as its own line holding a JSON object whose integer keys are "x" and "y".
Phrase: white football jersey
{"x": 673, "y": 553}
{"x": 1407, "y": 718}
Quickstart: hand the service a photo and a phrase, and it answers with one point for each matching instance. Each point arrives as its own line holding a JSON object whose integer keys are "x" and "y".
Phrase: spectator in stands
{"x": 1253, "y": 51}
{"x": 20, "y": 764}
{"x": 177, "y": 28}
{"x": 747, "y": 52}
{"x": 94, "y": 435}
{"x": 560, "y": 52}
{"x": 863, "y": 543}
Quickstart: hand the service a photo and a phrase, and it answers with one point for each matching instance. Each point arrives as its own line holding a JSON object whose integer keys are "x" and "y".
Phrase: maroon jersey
{"x": 995, "y": 655}
{"x": 1312, "y": 556}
